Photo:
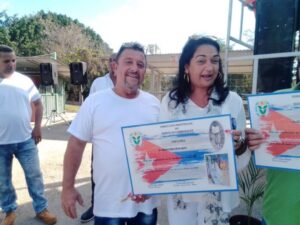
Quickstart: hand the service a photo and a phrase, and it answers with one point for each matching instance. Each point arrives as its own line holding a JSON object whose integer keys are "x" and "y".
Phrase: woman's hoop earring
{"x": 186, "y": 77}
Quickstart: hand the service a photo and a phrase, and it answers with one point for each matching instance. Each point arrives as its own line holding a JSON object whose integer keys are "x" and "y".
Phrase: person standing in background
{"x": 17, "y": 138}
{"x": 108, "y": 80}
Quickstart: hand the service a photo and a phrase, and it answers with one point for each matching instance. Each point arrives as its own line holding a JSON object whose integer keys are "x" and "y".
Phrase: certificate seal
{"x": 262, "y": 108}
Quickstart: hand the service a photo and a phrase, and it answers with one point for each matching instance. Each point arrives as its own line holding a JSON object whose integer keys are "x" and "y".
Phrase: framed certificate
{"x": 277, "y": 116}
{"x": 193, "y": 155}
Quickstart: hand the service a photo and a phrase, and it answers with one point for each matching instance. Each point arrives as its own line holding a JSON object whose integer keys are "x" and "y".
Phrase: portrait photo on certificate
{"x": 182, "y": 156}
{"x": 277, "y": 117}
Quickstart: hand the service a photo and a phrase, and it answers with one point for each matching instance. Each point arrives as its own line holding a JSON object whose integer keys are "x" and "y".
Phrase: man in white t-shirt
{"x": 18, "y": 139}
{"x": 99, "y": 84}
{"x": 99, "y": 121}
{"x": 108, "y": 80}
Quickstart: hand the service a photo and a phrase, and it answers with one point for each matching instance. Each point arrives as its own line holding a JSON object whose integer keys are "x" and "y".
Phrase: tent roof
{"x": 31, "y": 65}
{"x": 167, "y": 64}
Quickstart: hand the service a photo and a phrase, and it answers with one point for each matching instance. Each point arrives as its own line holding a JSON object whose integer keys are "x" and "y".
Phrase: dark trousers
{"x": 139, "y": 219}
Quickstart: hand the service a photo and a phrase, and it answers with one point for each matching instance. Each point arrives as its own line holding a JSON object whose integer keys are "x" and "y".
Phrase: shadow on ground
{"x": 57, "y": 131}
{"x": 51, "y": 153}
{"x": 26, "y": 214}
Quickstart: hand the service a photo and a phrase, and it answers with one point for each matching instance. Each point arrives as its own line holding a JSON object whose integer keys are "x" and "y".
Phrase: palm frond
{"x": 251, "y": 185}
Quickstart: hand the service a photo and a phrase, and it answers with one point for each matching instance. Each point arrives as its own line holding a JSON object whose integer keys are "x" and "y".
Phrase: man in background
{"x": 108, "y": 80}
{"x": 18, "y": 139}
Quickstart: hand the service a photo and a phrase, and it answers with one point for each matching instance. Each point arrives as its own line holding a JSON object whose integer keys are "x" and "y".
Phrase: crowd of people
{"x": 115, "y": 101}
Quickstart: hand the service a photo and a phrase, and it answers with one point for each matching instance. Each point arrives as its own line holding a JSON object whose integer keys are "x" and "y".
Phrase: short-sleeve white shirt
{"x": 99, "y": 121}
{"x": 101, "y": 83}
{"x": 16, "y": 94}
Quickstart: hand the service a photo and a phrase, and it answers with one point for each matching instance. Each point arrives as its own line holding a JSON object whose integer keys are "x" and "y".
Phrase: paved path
{"x": 51, "y": 152}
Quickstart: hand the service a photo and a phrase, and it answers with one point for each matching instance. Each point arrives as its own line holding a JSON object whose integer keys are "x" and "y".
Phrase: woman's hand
{"x": 238, "y": 138}
{"x": 254, "y": 138}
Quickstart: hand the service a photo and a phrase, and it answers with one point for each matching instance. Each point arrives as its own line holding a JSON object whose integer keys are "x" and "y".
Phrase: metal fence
{"x": 53, "y": 102}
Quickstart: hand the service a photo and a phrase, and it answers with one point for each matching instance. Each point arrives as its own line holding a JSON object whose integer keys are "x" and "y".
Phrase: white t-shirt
{"x": 16, "y": 94}
{"x": 233, "y": 105}
{"x": 99, "y": 121}
{"x": 101, "y": 83}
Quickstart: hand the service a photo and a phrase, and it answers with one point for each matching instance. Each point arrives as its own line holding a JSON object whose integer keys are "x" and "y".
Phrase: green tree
{"x": 5, "y": 21}
{"x": 44, "y": 33}
{"x": 95, "y": 66}
{"x": 4, "y": 36}
{"x": 27, "y": 34}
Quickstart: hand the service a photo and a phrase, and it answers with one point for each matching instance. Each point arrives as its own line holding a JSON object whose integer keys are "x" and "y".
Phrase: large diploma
{"x": 181, "y": 156}
{"x": 277, "y": 116}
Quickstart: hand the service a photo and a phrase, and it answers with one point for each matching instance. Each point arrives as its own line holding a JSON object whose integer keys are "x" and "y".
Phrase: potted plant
{"x": 252, "y": 189}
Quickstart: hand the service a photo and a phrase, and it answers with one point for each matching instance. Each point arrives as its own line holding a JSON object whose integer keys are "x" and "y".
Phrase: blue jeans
{"x": 27, "y": 154}
{"x": 139, "y": 219}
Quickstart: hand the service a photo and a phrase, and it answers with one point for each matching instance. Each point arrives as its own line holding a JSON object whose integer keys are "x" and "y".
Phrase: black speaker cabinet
{"x": 274, "y": 74}
{"x": 48, "y": 74}
{"x": 276, "y": 25}
{"x": 78, "y": 73}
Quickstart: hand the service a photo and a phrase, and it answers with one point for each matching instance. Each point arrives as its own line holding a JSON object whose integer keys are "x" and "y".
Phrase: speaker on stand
{"x": 48, "y": 74}
{"x": 49, "y": 78}
{"x": 78, "y": 76}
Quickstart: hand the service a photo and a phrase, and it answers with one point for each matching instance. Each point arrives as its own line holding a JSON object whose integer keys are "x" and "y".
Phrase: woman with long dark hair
{"x": 199, "y": 90}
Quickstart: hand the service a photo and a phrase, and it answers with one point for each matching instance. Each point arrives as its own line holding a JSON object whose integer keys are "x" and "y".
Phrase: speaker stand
{"x": 52, "y": 118}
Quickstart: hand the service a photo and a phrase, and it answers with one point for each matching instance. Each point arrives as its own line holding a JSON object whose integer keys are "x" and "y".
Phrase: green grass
{"x": 72, "y": 108}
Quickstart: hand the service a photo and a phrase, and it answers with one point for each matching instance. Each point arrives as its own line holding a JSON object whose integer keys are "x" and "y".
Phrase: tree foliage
{"x": 152, "y": 49}
{"x": 48, "y": 32}
{"x": 5, "y": 22}
{"x": 27, "y": 34}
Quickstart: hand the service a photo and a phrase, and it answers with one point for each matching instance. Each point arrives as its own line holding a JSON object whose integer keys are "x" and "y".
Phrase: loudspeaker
{"x": 78, "y": 73}
{"x": 276, "y": 25}
{"x": 274, "y": 74}
{"x": 48, "y": 74}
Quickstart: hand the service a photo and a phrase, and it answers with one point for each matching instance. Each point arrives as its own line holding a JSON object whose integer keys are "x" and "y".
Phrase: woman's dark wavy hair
{"x": 182, "y": 87}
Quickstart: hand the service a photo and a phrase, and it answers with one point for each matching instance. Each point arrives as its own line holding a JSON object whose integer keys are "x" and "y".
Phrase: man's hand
{"x": 139, "y": 198}
{"x": 68, "y": 202}
{"x": 254, "y": 138}
{"x": 136, "y": 198}
{"x": 72, "y": 160}
{"x": 36, "y": 134}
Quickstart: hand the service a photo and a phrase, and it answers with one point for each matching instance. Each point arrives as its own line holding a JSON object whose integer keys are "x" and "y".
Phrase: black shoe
{"x": 87, "y": 216}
